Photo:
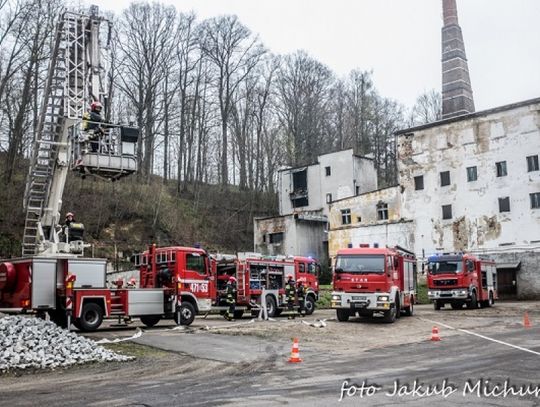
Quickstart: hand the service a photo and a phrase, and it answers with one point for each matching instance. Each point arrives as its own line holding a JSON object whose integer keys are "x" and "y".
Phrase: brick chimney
{"x": 456, "y": 85}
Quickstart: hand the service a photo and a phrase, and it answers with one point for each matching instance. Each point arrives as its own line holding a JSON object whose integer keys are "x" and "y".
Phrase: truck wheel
{"x": 397, "y": 306}
{"x": 474, "y": 303}
{"x": 150, "y": 320}
{"x": 238, "y": 314}
{"x": 309, "y": 306}
{"x": 390, "y": 315}
{"x": 409, "y": 311}
{"x": 91, "y": 317}
{"x": 187, "y": 313}
{"x": 271, "y": 306}
{"x": 456, "y": 305}
{"x": 342, "y": 315}
{"x": 436, "y": 305}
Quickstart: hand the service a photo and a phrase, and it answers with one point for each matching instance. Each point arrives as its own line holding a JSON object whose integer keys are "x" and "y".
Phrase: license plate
{"x": 359, "y": 298}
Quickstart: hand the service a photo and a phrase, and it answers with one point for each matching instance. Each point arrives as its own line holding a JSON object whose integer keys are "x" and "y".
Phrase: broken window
{"x": 472, "y": 174}
{"x": 445, "y": 178}
{"x": 345, "y": 216}
{"x": 501, "y": 169}
{"x": 535, "y": 200}
{"x": 447, "y": 211}
{"x": 328, "y": 198}
{"x": 532, "y": 163}
{"x": 299, "y": 195}
{"x": 382, "y": 211}
{"x": 276, "y": 238}
{"x": 328, "y": 171}
{"x": 504, "y": 204}
{"x": 418, "y": 182}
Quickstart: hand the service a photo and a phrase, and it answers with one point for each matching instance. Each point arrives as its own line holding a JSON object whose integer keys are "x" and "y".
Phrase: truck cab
{"x": 374, "y": 280}
{"x": 185, "y": 272}
{"x": 458, "y": 279}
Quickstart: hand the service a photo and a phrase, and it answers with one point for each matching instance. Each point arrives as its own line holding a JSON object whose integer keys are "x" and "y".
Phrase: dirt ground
{"x": 360, "y": 334}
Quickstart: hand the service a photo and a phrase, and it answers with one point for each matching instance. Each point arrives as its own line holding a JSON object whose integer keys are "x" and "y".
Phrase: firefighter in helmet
{"x": 290, "y": 292}
{"x": 230, "y": 298}
{"x": 70, "y": 218}
{"x": 92, "y": 125}
{"x": 301, "y": 293}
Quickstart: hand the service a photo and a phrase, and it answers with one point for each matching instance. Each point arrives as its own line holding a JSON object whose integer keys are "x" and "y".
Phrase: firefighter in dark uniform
{"x": 70, "y": 218}
{"x": 92, "y": 124}
{"x": 301, "y": 293}
{"x": 230, "y": 298}
{"x": 290, "y": 292}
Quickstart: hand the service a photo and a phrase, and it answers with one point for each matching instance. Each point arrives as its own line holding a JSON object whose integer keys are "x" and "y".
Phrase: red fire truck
{"x": 374, "y": 280}
{"x": 54, "y": 277}
{"x": 201, "y": 279}
{"x": 65, "y": 286}
{"x": 458, "y": 279}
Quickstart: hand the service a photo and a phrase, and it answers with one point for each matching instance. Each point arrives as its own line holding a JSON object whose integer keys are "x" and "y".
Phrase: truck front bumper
{"x": 361, "y": 301}
{"x": 456, "y": 294}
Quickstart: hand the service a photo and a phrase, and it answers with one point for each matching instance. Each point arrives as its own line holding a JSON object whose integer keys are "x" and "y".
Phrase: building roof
{"x": 469, "y": 116}
{"x": 363, "y": 157}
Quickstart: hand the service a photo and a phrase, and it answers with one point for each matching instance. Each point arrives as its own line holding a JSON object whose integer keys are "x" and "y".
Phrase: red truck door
{"x": 195, "y": 274}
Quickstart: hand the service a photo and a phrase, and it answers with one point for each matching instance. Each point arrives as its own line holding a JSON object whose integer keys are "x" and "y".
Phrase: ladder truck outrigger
{"x": 53, "y": 276}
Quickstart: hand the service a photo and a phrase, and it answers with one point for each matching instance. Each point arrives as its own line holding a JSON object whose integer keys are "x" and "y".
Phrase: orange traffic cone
{"x": 295, "y": 355}
{"x": 435, "y": 334}
{"x": 526, "y": 322}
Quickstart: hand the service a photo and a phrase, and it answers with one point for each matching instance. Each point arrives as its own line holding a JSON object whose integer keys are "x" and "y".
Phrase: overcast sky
{"x": 398, "y": 39}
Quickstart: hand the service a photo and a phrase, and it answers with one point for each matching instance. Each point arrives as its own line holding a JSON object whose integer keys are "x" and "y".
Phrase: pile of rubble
{"x": 35, "y": 343}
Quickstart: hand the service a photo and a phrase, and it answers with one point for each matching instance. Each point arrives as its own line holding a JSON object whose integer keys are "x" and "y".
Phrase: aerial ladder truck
{"x": 53, "y": 276}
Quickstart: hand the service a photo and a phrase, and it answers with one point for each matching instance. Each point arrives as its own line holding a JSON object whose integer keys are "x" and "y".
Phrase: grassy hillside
{"x": 125, "y": 216}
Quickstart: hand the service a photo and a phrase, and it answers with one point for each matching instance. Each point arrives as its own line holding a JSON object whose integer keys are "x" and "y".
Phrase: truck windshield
{"x": 445, "y": 267}
{"x": 360, "y": 264}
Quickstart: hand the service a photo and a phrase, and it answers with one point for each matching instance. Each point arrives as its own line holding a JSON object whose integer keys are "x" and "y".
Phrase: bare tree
{"x": 303, "y": 86}
{"x": 145, "y": 42}
{"x": 234, "y": 52}
{"x": 33, "y": 29}
{"x": 427, "y": 109}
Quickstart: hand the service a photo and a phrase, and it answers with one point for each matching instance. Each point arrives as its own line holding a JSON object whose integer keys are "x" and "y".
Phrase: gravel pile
{"x": 35, "y": 343}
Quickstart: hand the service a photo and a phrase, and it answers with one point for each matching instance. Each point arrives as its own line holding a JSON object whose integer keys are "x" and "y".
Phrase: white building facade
{"x": 304, "y": 196}
{"x": 469, "y": 183}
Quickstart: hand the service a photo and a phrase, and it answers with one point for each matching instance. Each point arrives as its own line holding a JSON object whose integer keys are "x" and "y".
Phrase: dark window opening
{"x": 472, "y": 174}
{"x": 501, "y": 169}
{"x": 359, "y": 219}
{"x": 346, "y": 216}
{"x": 504, "y": 204}
{"x": 357, "y": 190}
{"x": 276, "y": 238}
{"x": 382, "y": 211}
{"x": 532, "y": 163}
{"x": 447, "y": 211}
{"x": 264, "y": 238}
{"x": 535, "y": 200}
{"x": 328, "y": 198}
{"x": 299, "y": 195}
{"x": 445, "y": 178}
{"x": 419, "y": 182}
{"x": 328, "y": 171}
